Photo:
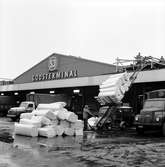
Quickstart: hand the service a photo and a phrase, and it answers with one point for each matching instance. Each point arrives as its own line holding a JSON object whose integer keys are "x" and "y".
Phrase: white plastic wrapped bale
{"x": 30, "y": 122}
{"x": 116, "y": 80}
{"x": 79, "y": 124}
{"x": 47, "y": 131}
{"x": 47, "y": 113}
{"x": 122, "y": 78}
{"x": 42, "y": 119}
{"x": 78, "y": 132}
{"x": 110, "y": 89}
{"x": 65, "y": 124}
{"x": 69, "y": 131}
{"x": 43, "y": 106}
{"x": 115, "y": 95}
{"x": 51, "y": 106}
{"x": 111, "y": 83}
{"x": 61, "y": 114}
{"x": 93, "y": 121}
{"x": 71, "y": 116}
{"x": 26, "y": 130}
{"x": 58, "y": 105}
{"x": 59, "y": 130}
{"x": 55, "y": 122}
{"x": 26, "y": 115}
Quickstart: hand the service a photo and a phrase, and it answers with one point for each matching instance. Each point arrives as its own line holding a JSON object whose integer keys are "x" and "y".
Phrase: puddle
{"x": 93, "y": 149}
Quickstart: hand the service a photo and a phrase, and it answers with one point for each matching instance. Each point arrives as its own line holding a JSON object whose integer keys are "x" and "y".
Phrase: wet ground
{"x": 113, "y": 149}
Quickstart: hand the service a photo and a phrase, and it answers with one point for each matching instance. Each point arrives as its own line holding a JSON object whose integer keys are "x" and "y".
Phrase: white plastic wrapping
{"x": 61, "y": 114}
{"x": 47, "y": 113}
{"x": 47, "y": 131}
{"x": 26, "y": 115}
{"x": 51, "y": 106}
{"x": 93, "y": 121}
{"x": 64, "y": 124}
{"x": 42, "y": 119}
{"x": 69, "y": 131}
{"x": 24, "y": 129}
{"x": 79, "y": 124}
{"x": 113, "y": 89}
{"x": 78, "y": 132}
{"x": 30, "y": 122}
{"x": 59, "y": 130}
{"x": 71, "y": 116}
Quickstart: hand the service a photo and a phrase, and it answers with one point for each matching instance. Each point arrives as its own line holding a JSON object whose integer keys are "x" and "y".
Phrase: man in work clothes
{"x": 88, "y": 112}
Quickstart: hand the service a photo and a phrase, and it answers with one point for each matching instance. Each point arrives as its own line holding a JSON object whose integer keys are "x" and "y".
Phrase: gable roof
{"x": 85, "y": 67}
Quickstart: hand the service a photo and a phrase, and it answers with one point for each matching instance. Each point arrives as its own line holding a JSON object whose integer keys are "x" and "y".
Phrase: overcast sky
{"x": 100, "y": 30}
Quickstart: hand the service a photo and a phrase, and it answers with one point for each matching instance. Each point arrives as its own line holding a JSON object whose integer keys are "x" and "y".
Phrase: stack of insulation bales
{"x": 49, "y": 120}
{"x": 113, "y": 89}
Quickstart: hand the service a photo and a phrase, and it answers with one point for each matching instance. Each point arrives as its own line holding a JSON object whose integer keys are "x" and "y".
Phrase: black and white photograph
{"x": 82, "y": 83}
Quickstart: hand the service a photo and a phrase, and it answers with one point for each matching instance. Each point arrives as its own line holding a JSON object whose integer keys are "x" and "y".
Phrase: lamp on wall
{"x": 52, "y": 91}
{"x": 76, "y": 91}
{"x": 16, "y": 93}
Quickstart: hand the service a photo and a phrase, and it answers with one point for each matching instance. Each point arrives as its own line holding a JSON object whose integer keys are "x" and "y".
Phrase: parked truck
{"x": 152, "y": 115}
{"x": 32, "y": 101}
{"x": 25, "y": 107}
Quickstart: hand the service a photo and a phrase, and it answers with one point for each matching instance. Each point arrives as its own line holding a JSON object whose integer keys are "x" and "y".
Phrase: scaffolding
{"x": 139, "y": 62}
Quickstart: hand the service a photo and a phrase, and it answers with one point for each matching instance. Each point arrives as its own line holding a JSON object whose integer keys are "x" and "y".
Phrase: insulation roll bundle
{"x": 26, "y": 115}
{"x": 42, "y": 119}
{"x": 65, "y": 124}
{"x": 93, "y": 121}
{"x": 47, "y": 113}
{"x": 78, "y": 132}
{"x": 115, "y": 96}
{"x": 55, "y": 122}
{"x": 58, "y": 105}
{"x": 61, "y": 114}
{"x": 59, "y": 130}
{"x": 30, "y": 122}
{"x": 111, "y": 83}
{"x": 79, "y": 124}
{"x": 47, "y": 131}
{"x": 69, "y": 131}
{"x": 113, "y": 89}
{"x": 51, "y": 106}
{"x": 27, "y": 130}
{"x": 110, "y": 89}
{"x": 71, "y": 116}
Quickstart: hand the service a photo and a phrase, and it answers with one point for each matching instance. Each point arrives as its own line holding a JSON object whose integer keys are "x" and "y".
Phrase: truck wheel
{"x": 163, "y": 129}
{"x": 139, "y": 130}
{"x": 123, "y": 125}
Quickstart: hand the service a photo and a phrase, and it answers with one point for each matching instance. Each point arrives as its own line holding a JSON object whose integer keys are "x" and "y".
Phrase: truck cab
{"x": 25, "y": 107}
{"x": 152, "y": 116}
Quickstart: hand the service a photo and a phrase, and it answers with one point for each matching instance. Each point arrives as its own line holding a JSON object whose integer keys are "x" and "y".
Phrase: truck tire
{"x": 140, "y": 131}
{"x": 123, "y": 125}
{"x": 163, "y": 129}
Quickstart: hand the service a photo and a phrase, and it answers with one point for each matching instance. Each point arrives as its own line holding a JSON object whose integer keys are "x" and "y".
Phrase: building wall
{"x": 83, "y": 68}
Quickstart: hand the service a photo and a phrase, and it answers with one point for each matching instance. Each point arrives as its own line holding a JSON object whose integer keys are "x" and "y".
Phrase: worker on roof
{"x": 162, "y": 60}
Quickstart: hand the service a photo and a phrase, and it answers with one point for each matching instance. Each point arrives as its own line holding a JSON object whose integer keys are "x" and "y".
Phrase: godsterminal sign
{"x": 53, "y": 74}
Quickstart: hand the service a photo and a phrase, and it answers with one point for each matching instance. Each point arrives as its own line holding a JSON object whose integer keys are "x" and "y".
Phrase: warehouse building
{"x": 79, "y": 79}
{"x": 59, "y": 74}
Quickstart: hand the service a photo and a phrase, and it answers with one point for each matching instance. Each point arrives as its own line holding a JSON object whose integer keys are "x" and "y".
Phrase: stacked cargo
{"x": 113, "y": 89}
{"x": 49, "y": 120}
